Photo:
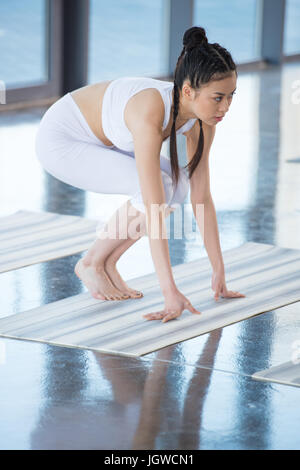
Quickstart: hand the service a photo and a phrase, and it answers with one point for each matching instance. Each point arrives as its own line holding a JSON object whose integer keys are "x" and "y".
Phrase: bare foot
{"x": 118, "y": 281}
{"x": 98, "y": 283}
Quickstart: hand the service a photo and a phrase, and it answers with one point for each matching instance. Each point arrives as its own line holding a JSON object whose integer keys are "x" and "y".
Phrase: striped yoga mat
{"x": 287, "y": 373}
{"x": 268, "y": 275}
{"x": 32, "y": 237}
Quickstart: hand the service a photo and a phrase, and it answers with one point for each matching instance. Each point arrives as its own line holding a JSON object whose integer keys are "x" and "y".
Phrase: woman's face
{"x": 212, "y": 100}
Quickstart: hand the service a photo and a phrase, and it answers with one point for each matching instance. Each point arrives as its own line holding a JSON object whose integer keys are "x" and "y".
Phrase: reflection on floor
{"x": 194, "y": 395}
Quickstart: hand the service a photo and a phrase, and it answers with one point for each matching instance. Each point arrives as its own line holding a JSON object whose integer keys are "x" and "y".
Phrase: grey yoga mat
{"x": 32, "y": 237}
{"x": 268, "y": 275}
{"x": 287, "y": 373}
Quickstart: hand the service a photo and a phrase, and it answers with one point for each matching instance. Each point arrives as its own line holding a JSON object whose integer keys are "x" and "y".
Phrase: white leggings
{"x": 68, "y": 149}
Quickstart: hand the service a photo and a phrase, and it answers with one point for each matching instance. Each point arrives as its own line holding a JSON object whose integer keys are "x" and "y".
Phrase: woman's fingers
{"x": 171, "y": 316}
{"x": 192, "y": 309}
{"x": 162, "y": 315}
{"x": 235, "y": 294}
{"x": 217, "y": 294}
{"x": 154, "y": 315}
{"x": 231, "y": 293}
{"x": 227, "y": 293}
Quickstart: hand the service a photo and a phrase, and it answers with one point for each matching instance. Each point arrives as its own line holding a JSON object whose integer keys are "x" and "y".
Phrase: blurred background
{"x": 197, "y": 393}
{"x": 51, "y": 47}
{"x": 48, "y": 47}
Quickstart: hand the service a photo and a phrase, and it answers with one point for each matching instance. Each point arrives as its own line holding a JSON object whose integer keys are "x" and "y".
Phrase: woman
{"x": 107, "y": 138}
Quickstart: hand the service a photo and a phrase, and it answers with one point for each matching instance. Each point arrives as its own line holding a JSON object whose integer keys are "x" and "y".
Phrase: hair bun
{"x": 194, "y": 37}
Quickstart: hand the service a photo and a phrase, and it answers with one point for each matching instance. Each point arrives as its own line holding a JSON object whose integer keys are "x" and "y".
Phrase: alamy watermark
{"x": 295, "y": 98}
{"x": 295, "y": 358}
{"x": 2, "y": 92}
{"x": 133, "y": 224}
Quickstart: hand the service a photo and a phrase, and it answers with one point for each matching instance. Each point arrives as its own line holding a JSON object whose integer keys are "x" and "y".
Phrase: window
{"x": 127, "y": 37}
{"x": 232, "y": 24}
{"x": 23, "y": 34}
{"x": 291, "y": 42}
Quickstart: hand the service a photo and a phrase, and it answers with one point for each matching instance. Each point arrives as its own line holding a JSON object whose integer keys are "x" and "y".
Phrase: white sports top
{"x": 117, "y": 94}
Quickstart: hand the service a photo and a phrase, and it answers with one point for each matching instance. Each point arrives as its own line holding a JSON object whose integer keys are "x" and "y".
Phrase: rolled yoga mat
{"x": 268, "y": 275}
{"x": 32, "y": 237}
{"x": 287, "y": 373}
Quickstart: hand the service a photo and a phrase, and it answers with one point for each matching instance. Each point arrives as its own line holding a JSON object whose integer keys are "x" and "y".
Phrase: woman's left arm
{"x": 210, "y": 234}
{"x": 204, "y": 209}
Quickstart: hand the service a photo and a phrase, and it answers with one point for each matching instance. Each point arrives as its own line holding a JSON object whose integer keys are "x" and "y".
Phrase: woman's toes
{"x": 98, "y": 296}
{"x": 109, "y": 297}
{"x": 117, "y": 296}
{"x": 120, "y": 296}
{"x": 136, "y": 293}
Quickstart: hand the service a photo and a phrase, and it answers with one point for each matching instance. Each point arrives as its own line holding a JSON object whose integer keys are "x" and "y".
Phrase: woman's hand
{"x": 219, "y": 286}
{"x": 175, "y": 303}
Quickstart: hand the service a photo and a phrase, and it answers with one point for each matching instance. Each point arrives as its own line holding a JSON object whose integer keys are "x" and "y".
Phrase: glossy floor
{"x": 194, "y": 395}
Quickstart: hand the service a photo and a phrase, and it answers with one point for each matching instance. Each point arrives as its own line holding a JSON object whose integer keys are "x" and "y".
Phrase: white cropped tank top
{"x": 117, "y": 94}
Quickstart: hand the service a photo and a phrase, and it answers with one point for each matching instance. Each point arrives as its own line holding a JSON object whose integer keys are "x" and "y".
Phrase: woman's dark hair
{"x": 200, "y": 62}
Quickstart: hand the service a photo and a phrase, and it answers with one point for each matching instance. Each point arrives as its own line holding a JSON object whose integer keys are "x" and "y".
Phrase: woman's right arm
{"x": 147, "y": 146}
{"x": 145, "y": 120}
